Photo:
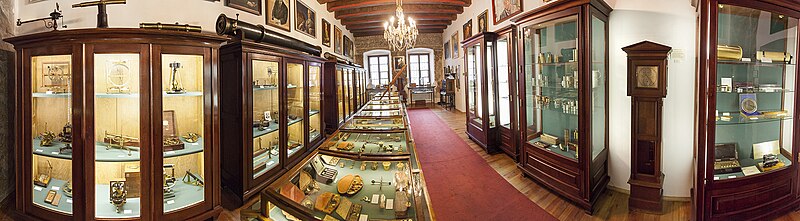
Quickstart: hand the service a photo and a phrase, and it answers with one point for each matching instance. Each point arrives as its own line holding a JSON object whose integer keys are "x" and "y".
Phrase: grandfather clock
{"x": 647, "y": 86}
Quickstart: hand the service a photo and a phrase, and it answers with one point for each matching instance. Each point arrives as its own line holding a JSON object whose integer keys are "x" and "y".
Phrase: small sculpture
{"x": 118, "y": 195}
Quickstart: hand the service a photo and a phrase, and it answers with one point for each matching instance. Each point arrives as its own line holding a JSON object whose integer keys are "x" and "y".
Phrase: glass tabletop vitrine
{"x": 563, "y": 91}
{"x": 107, "y": 120}
{"x": 747, "y": 123}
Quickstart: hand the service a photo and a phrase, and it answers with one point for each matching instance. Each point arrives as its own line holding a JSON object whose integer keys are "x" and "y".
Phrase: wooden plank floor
{"x": 612, "y": 205}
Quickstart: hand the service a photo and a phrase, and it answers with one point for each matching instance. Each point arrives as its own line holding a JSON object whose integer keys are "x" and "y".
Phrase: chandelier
{"x": 400, "y": 36}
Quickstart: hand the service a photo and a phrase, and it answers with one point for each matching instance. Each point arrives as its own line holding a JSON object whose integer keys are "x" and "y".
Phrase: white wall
{"x": 195, "y": 12}
{"x": 630, "y": 22}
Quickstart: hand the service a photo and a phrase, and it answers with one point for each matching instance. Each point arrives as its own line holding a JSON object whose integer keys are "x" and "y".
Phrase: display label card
{"x": 49, "y": 92}
{"x": 121, "y": 156}
{"x": 55, "y": 152}
{"x": 169, "y": 152}
{"x": 389, "y": 203}
{"x": 127, "y": 211}
{"x": 37, "y": 188}
{"x": 194, "y": 144}
{"x": 56, "y": 188}
{"x": 363, "y": 217}
{"x": 169, "y": 202}
{"x": 746, "y": 59}
{"x": 375, "y": 199}
{"x": 69, "y": 201}
{"x": 270, "y": 163}
{"x": 766, "y": 60}
{"x": 731, "y": 176}
{"x": 39, "y": 150}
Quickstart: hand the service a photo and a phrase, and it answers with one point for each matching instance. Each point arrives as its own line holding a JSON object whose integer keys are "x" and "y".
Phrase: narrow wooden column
{"x": 647, "y": 86}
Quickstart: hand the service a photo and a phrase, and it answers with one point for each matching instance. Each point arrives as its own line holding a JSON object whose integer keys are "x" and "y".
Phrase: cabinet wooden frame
{"x": 81, "y": 45}
{"x": 236, "y": 66}
{"x": 583, "y": 180}
{"x": 485, "y": 135}
{"x": 761, "y": 196}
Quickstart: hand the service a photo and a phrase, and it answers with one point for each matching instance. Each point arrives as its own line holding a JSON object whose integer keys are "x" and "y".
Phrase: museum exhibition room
{"x": 304, "y": 110}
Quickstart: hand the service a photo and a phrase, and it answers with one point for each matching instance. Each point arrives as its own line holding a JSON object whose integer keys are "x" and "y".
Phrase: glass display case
{"x": 506, "y": 91}
{"x": 375, "y": 123}
{"x": 270, "y": 117}
{"x": 563, "y": 91}
{"x": 137, "y": 102}
{"x": 746, "y": 124}
{"x": 480, "y": 62}
{"x": 341, "y": 93}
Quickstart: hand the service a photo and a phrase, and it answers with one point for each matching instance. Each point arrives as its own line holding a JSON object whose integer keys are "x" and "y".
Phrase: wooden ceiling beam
{"x": 379, "y": 24}
{"x": 352, "y": 4}
{"x": 371, "y": 33}
{"x": 384, "y": 18}
{"x": 391, "y": 10}
{"x": 325, "y": 1}
{"x": 419, "y": 27}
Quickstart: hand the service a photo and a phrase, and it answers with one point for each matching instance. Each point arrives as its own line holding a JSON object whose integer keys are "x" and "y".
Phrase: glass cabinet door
{"x": 340, "y": 94}
{"x": 552, "y": 85}
{"x": 755, "y": 91}
{"x": 117, "y": 132}
{"x": 474, "y": 101}
{"x": 295, "y": 106}
{"x": 490, "y": 78}
{"x": 183, "y": 90}
{"x": 51, "y": 130}
{"x": 266, "y": 77}
{"x": 599, "y": 96}
{"x": 314, "y": 105}
{"x": 503, "y": 83}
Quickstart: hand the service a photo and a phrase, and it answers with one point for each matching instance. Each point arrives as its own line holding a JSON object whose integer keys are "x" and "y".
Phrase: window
{"x": 419, "y": 72}
{"x": 379, "y": 70}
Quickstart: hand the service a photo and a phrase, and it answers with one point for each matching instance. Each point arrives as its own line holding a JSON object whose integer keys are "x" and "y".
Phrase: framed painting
{"x": 337, "y": 40}
{"x": 326, "y": 33}
{"x": 467, "y": 30}
{"x": 305, "y": 19}
{"x": 278, "y": 14}
{"x": 483, "y": 24}
{"x": 456, "y": 45}
{"x": 447, "y": 50}
{"x": 252, "y": 6}
{"x": 505, "y": 9}
{"x": 347, "y": 44}
{"x": 398, "y": 61}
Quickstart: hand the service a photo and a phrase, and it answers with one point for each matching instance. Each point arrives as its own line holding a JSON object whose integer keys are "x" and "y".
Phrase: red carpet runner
{"x": 462, "y": 186}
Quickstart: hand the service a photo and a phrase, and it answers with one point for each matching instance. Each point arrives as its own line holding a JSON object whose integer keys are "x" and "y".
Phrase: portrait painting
{"x": 505, "y": 9}
{"x": 483, "y": 23}
{"x": 305, "y": 19}
{"x": 447, "y": 50}
{"x": 278, "y": 14}
{"x": 398, "y": 61}
{"x": 467, "y": 30}
{"x": 326, "y": 33}
{"x": 456, "y": 44}
{"x": 347, "y": 44}
{"x": 252, "y": 6}
{"x": 337, "y": 40}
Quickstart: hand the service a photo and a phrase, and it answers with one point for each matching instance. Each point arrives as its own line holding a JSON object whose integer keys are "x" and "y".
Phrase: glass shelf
{"x": 111, "y": 95}
{"x": 754, "y": 63}
{"x": 738, "y": 119}
{"x": 558, "y": 63}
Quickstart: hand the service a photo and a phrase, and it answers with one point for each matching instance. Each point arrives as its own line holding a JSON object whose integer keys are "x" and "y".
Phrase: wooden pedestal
{"x": 646, "y": 195}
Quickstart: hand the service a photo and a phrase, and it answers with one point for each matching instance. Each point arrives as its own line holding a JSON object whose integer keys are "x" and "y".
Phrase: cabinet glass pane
{"x": 755, "y": 79}
{"x": 51, "y": 127}
{"x": 117, "y": 132}
{"x": 503, "y": 84}
{"x": 350, "y": 92}
{"x": 315, "y": 97}
{"x": 491, "y": 83}
{"x": 183, "y": 130}
{"x": 532, "y": 123}
{"x": 598, "y": 141}
{"x": 295, "y": 107}
{"x": 556, "y": 84}
{"x": 340, "y": 95}
{"x": 474, "y": 84}
{"x": 265, "y": 116}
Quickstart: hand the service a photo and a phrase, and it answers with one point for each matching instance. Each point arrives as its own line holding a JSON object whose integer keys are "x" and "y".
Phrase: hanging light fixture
{"x": 400, "y": 36}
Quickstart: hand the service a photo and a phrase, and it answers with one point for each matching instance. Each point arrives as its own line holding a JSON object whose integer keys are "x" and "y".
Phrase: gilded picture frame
{"x": 278, "y": 14}
{"x": 305, "y": 19}
{"x": 251, "y": 6}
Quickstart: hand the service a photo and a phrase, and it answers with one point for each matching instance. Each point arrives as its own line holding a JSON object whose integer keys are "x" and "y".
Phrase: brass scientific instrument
{"x": 118, "y": 141}
{"x": 191, "y": 137}
{"x": 67, "y": 188}
{"x": 49, "y": 22}
{"x": 118, "y": 194}
{"x": 171, "y": 27}
{"x": 381, "y": 183}
{"x": 169, "y": 180}
{"x": 175, "y": 84}
{"x": 118, "y": 76}
{"x": 44, "y": 179}
{"x": 47, "y": 137}
{"x": 102, "y": 17}
{"x": 193, "y": 179}
{"x": 58, "y": 75}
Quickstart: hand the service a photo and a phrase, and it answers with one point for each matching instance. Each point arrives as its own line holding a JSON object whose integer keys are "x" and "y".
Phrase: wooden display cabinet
{"x": 116, "y": 107}
{"x": 563, "y": 89}
{"x": 480, "y": 62}
{"x": 746, "y": 99}
{"x": 271, "y": 112}
{"x": 339, "y": 96}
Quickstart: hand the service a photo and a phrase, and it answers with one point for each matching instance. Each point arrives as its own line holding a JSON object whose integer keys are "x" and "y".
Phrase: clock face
{"x": 647, "y": 76}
